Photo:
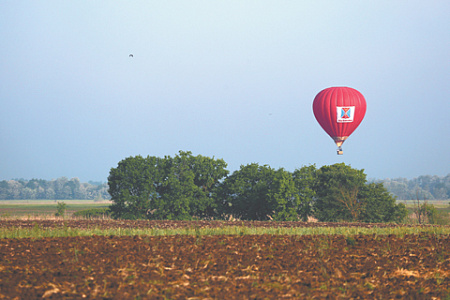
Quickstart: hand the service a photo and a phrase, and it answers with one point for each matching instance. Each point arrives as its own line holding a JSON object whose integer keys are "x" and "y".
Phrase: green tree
{"x": 133, "y": 187}
{"x": 380, "y": 205}
{"x": 189, "y": 184}
{"x": 343, "y": 195}
{"x": 337, "y": 188}
{"x": 207, "y": 174}
{"x": 304, "y": 179}
{"x": 257, "y": 192}
{"x": 178, "y": 188}
{"x": 284, "y": 197}
{"x": 60, "y": 209}
{"x": 244, "y": 193}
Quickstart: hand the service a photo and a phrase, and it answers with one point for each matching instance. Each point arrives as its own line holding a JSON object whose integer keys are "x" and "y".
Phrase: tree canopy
{"x": 179, "y": 187}
{"x": 187, "y": 186}
{"x": 257, "y": 192}
{"x": 342, "y": 194}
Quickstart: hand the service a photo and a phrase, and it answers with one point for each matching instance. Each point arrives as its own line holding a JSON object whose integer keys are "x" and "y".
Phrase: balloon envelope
{"x": 339, "y": 110}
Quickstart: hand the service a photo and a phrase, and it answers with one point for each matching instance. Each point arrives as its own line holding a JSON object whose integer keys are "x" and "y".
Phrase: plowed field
{"x": 225, "y": 266}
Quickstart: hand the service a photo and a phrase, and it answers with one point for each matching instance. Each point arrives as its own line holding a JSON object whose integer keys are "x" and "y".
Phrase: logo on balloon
{"x": 345, "y": 114}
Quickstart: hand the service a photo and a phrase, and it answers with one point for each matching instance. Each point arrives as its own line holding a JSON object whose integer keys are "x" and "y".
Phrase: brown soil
{"x": 225, "y": 267}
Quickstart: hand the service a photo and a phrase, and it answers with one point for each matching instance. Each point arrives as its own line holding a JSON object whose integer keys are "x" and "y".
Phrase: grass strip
{"x": 38, "y": 232}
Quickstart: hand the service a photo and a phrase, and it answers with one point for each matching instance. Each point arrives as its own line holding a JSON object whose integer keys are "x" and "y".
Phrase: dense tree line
{"x": 165, "y": 188}
{"x": 423, "y": 187}
{"x": 56, "y": 189}
{"x": 187, "y": 187}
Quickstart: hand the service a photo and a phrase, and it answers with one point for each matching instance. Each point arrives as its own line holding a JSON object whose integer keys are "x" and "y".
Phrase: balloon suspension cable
{"x": 339, "y": 150}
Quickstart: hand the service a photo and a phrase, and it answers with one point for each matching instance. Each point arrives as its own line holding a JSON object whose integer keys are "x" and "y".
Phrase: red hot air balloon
{"x": 339, "y": 110}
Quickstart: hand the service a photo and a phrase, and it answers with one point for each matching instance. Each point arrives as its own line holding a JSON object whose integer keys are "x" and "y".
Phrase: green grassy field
{"x": 45, "y": 208}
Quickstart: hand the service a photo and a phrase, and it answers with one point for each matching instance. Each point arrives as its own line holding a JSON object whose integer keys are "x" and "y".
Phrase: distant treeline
{"x": 424, "y": 187}
{"x": 55, "y": 189}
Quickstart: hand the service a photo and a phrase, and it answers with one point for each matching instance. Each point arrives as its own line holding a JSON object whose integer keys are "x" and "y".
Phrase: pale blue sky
{"x": 229, "y": 79}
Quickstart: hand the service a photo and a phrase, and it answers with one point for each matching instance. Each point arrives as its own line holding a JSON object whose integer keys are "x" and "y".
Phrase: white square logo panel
{"x": 345, "y": 114}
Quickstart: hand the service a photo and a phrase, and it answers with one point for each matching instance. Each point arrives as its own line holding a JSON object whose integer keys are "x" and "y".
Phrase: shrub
{"x": 434, "y": 215}
{"x": 60, "y": 209}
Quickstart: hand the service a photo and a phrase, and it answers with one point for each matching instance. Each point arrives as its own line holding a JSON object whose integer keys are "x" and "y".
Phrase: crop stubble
{"x": 226, "y": 267}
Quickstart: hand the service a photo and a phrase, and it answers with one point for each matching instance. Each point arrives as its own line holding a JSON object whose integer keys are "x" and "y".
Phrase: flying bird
{"x": 131, "y": 55}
